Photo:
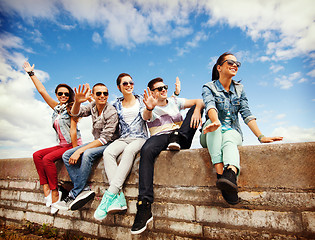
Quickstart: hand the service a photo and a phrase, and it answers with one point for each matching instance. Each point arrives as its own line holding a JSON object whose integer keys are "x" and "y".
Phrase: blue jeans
{"x": 80, "y": 172}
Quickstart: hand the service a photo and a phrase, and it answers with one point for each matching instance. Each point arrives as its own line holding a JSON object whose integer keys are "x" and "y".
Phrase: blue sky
{"x": 78, "y": 42}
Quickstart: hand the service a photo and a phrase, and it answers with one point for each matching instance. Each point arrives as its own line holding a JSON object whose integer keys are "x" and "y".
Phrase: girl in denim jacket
{"x": 66, "y": 133}
{"x": 224, "y": 98}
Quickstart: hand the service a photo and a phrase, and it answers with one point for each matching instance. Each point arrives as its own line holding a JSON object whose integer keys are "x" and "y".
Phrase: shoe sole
{"x": 173, "y": 147}
{"x": 115, "y": 210}
{"x": 80, "y": 203}
{"x": 99, "y": 219}
{"x": 226, "y": 185}
{"x": 142, "y": 229}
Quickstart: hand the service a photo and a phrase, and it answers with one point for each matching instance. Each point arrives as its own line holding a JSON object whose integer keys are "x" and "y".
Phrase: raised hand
{"x": 177, "y": 86}
{"x": 149, "y": 101}
{"x": 89, "y": 93}
{"x": 27, "y": 67}
{"x": 81, "y": 94}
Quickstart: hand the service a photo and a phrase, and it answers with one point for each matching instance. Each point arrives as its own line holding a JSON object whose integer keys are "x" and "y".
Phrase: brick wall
{"x": 276, "y": 186}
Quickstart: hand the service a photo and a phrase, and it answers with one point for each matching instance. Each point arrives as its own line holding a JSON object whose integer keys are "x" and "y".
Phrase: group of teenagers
{"x": 149, "y": 124}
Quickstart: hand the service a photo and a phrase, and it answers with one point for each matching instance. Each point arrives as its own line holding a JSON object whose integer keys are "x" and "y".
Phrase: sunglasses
{"x": 125, "y": 84}
{"x": 160, "y": 89}
{"x": 231, "y": 62}
{"x": 100, "y": 93}
{"x": 63, "y": 93}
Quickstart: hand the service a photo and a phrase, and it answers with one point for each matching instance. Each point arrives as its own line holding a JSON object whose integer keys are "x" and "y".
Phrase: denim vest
{"x": 64, "y": 122}
{"x": 138, "y": 127}
{"x": 215, "y": 96}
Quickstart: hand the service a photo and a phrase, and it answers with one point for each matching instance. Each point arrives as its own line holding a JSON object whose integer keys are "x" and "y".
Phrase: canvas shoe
{"x": 101, "y": 211}
{"x": 174, "y": 142}
{"x": 53, "y": 209}
{"x": 119, "y": 204}
{"x": 65, "y": 203}
{"x": 83, "y": 198}
{"x": 228, "y": 186}
{"x": 143, "y": 217}
{"x": 48, "y": 200}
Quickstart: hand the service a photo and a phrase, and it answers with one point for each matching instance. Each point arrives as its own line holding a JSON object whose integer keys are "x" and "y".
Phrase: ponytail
{"x": 215, "y": 72}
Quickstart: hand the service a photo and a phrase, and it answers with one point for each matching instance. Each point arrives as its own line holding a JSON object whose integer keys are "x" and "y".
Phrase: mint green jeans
{"x": 222, "y": 146}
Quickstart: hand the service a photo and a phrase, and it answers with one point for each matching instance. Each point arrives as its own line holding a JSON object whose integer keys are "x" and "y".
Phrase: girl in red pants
{"x": 67, "y": 135}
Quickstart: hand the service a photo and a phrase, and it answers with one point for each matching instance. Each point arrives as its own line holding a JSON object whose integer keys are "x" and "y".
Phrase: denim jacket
{"x": 138, "y": 127}
{"x": 64, "y": 122}
{"x": 215, "y": 96}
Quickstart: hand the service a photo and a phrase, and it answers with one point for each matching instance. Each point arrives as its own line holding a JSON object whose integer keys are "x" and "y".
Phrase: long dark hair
{"x": 71, "y": 96}
{"x": 215, "y": 72}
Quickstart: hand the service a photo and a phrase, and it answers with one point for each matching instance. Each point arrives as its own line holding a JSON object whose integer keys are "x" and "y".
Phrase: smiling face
{"x": 99, "y": 93}
{"x": 126, "y": 85}
{"x": 61, "y": 95}
{"x": 160, "y": 95}
{"x": 227, "y": 69}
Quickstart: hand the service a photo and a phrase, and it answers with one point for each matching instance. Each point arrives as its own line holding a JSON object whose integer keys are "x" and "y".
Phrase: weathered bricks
{"x": 276, "y": 202}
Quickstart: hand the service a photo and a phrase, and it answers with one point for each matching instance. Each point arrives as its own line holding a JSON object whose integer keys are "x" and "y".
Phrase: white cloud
{"x": 295, "y": 134}
{"x": 96, "y": 38}
{"x": 286, "y": 82}
{"x": 311, "y": 73}
{"x": 280, "y": 116}
{"x": 276, "y": 68}
{"x": 263, "y": 83}
{"x": 287, "y": 27}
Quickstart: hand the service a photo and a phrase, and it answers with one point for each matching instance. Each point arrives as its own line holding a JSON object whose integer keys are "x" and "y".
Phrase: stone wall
{"x": 276, "y": 186}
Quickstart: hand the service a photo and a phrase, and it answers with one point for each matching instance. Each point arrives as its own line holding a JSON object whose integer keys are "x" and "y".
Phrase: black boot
{"x": 228, "y": 186}
{"x": 143, "y": 217}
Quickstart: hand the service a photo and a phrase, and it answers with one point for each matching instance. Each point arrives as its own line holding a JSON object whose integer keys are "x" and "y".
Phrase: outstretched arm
{"x": 39, "y": 86}
{"x": 254, "y": 128}
{"x": 215, "y": 122}
{"x": 196, "y": 117}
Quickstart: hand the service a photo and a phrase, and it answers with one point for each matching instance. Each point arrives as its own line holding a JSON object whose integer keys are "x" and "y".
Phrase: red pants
{"x": 44, "y": 160}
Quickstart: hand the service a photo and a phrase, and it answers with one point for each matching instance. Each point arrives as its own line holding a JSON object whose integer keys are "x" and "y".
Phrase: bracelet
{"x": 150, "y": 110}
{"x": 260, "y": 137}
{"x": 31, "y": 73}
{"x": 176, "y": 94}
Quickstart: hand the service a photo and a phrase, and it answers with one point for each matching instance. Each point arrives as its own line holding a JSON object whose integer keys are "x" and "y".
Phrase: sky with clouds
{"x": 78, "y": 41}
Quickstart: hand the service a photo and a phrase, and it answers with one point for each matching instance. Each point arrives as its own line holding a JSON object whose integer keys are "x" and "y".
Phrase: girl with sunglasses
{"x": 133, "y": 134}
{"x": 224, "y": 99}
{"x": 67, "y": 135}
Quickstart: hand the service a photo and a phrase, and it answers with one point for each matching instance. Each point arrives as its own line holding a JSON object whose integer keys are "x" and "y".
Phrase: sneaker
{"x": 229, "y": 197}
{"x": 101, "y": 211}
{"x": 64, "y": 204}
{"x": 174, "y": 142}
{"x": 83, "y": 198}
{"x": 48, "y": 200}
{"x": 119, "y": 204}
{"x": 228, "y": 186}
{"x": 143, "y": 217}
{"x": 53, "y": 209}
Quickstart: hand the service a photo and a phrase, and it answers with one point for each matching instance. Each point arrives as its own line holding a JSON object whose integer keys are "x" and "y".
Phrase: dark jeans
{"x": 152, "y": 148}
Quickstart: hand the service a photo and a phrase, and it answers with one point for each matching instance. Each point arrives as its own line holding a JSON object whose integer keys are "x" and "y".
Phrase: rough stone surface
{"x": 276, "y": 188}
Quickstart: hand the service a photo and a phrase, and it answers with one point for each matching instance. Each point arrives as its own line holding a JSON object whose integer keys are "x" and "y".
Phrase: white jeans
{"x": 117, "y": 173}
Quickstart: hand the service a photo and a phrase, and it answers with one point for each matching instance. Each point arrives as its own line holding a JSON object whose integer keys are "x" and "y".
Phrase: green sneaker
{"x": 119, "y": 204}
{"x": 102, "y": 209}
